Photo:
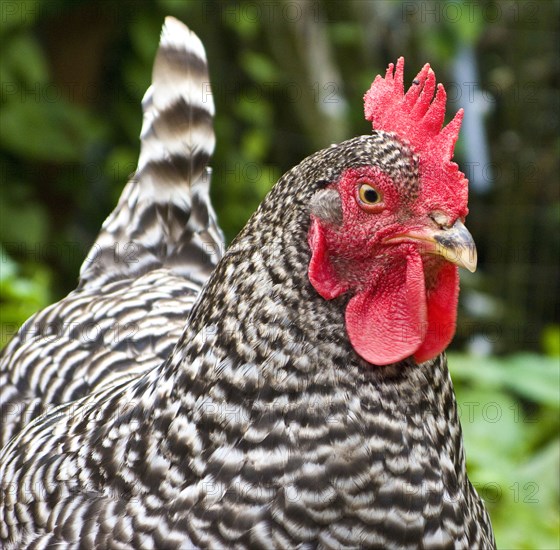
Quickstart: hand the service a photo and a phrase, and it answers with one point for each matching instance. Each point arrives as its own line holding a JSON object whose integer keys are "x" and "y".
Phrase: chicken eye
{"x": 368, "y": 195}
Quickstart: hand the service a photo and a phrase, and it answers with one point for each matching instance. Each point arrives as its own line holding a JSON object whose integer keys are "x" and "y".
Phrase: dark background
{"x": 288, "y": 78}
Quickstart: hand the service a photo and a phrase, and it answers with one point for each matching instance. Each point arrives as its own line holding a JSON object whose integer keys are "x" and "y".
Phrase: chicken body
{"x": 263, "y": 428}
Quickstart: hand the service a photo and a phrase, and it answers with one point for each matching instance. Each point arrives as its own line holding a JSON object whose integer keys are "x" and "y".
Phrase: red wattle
{"x": 387, "y": 323}
{"x": 442, "y": 313}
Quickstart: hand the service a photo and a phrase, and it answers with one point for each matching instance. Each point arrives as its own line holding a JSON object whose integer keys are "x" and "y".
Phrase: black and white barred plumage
{"x": 146, "y": 268}
{"x": 262, "y": 428}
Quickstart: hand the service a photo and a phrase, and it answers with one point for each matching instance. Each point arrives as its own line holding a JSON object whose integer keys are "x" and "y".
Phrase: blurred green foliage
{"x": 288, "y": 78}
{"x": 509, "y": 410}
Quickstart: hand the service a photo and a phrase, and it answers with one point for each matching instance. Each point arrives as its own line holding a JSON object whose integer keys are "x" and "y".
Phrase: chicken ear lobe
{"x": 321, "y": 273}
{"x": 387, "y": 323}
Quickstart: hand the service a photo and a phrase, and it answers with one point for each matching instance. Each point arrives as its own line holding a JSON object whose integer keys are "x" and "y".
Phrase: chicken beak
{"x": 455, "y": 243}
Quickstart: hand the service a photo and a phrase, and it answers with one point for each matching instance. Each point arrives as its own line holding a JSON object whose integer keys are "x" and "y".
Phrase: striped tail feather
{"x": 164, "y": 217}
{"x": 148, "y": 264}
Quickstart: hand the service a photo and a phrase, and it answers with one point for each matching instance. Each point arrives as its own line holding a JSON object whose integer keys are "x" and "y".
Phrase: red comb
{"x": 415, "y": 116}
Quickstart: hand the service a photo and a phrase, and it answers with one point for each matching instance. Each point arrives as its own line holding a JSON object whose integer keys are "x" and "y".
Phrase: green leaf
{"x": 26, "y": 62}
{"x": 22, "y": 13}
{"x": 259, "y": 67}
{"x": 492, "y": 428}
{"x": 55, "y": 132}
{"x": 24, "y": 289}
{"x": 144, "y": 33}
{"x": 22, "y": 221}
{"x": 534, "y": 377}
{"x": 551, "y": 340}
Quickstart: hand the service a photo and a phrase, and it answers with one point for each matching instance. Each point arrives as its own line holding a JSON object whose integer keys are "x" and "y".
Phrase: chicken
{"x": 148, "y": 264}
{"x": 307, "y": 402}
